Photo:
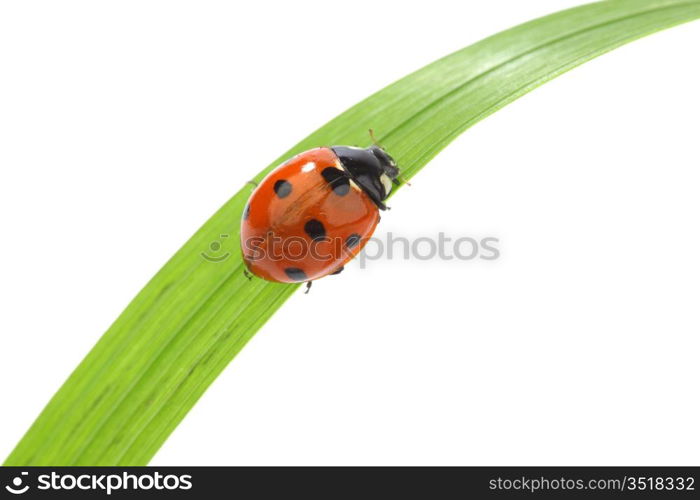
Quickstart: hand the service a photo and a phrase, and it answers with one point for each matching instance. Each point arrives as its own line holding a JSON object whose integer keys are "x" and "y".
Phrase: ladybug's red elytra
{"x": 315, "y": 212}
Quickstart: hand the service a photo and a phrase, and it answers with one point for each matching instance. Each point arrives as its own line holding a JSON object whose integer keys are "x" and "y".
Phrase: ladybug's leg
{"x": 398, "y": 180}
{"x": 247, "y": 274}
{"x": 308, "y": 286}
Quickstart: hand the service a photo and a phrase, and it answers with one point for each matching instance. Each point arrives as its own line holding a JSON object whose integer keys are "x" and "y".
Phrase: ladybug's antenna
{"x": 374, "y": 139}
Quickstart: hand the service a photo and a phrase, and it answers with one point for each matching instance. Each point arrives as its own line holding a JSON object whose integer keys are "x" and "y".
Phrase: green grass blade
{"x": 187, "y": 324}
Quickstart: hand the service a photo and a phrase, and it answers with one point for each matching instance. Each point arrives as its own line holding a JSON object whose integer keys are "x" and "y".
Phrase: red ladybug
{"x": 315, "y": 212}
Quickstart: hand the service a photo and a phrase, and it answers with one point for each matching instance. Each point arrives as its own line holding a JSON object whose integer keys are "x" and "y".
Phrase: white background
{"x": 124, "y": 125}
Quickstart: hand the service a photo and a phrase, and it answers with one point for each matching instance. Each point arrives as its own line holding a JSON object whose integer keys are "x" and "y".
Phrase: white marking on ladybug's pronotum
{"x": 386, "y": 182}
{"x": 308, "y": 167}
{"x": 340, "y": 167}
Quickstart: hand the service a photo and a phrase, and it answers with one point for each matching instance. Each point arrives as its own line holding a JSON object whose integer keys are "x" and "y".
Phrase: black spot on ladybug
{"x": 337, "y": 180}
{"x": 295, "y": 274}
{"x": 315, "y": 230}
{"x": 282, "y": 188}
{"x": 352, "y": 240}
{"x": 246, "y": 212}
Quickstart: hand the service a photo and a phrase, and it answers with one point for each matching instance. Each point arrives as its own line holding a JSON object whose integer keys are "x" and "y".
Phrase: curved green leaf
{"x": 187, "y": 324}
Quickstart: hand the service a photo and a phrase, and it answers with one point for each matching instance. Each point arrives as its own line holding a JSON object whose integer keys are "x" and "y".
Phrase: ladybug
{"x": 315, "y": 212}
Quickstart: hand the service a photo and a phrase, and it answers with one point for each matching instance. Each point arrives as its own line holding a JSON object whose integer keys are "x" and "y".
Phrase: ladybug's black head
{"x": 372, "y": 169}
